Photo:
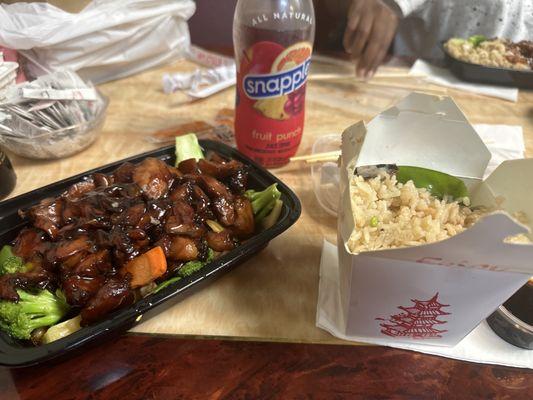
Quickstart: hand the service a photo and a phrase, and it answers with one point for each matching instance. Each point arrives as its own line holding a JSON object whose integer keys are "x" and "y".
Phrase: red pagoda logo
{"x": 418, "y": 321}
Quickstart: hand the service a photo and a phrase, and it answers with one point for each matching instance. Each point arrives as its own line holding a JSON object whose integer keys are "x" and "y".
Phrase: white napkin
{"x": 444, "y": 77}
{"x": 505, "y": 142}
{"x": 481, "y": 345}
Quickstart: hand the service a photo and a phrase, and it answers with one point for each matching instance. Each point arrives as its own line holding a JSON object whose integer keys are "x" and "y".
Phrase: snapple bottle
{"x": 273, "y": 42}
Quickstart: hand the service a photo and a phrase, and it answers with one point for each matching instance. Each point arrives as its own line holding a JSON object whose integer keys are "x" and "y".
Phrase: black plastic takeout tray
{"x": 490, "y": 75}
{"x": 16, "y": 354}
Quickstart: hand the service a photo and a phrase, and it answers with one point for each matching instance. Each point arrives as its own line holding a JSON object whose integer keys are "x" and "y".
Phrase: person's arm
{"x": 371, "y": 26}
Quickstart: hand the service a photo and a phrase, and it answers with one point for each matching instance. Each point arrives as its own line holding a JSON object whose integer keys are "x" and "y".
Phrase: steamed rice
{"x": 389, "y": 214}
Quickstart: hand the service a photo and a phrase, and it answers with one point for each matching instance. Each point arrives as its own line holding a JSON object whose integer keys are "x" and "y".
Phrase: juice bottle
{"x": 273, "y": 41}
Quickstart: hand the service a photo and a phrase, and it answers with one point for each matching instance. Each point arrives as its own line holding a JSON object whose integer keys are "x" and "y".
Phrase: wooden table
{"x": 146, "y": 367}
{"x": 272, "y": 297}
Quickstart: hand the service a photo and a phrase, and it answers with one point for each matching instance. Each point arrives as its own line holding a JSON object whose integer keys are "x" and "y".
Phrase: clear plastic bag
{"x": 107, "y": 40}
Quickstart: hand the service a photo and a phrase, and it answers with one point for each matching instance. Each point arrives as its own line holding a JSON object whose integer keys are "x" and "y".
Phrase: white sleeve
{"x": 407, "y": 7}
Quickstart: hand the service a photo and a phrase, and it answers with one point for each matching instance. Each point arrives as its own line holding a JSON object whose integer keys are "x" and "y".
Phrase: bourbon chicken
{"x": 81, "y": 241}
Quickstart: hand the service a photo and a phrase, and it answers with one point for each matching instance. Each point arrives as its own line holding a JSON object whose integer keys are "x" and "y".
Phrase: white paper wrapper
{"x": 444, "y": 77}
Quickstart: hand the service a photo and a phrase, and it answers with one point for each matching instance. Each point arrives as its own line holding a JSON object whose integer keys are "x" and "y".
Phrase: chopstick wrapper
{"x": 444, "y": 77}
{"x": 433, "y": 294}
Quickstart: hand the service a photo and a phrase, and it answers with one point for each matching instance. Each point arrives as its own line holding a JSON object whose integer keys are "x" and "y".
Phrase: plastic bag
{"x": 105, "y": 41}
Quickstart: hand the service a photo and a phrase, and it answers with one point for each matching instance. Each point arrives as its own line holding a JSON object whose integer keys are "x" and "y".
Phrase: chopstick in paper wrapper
{"x": 436, "y": 293}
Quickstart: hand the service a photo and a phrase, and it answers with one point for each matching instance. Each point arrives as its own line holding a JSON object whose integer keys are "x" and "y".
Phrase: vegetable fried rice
{"x": 389, "y": 214}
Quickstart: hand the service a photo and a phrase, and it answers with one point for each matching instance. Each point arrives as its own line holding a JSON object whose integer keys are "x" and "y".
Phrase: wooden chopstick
{"x": 327, "y": 77}
{"x": 377, "y": 80}
{"x": 318, "y": 157}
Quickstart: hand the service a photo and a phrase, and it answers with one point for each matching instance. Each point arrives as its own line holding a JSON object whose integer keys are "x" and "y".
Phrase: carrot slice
{"x": 146, "y": 268}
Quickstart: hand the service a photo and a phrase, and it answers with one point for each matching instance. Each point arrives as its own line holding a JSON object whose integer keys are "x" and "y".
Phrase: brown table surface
{"x": 272, "y": 297}
{"x": 153, "y": 367}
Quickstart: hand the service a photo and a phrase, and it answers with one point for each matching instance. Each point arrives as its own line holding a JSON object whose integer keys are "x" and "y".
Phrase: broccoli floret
{"x": 32, "y": 311}
{"x": 187, "y": 269}
{"x": 192, "y": 266}
{"x": 263, "y": 202}
{"x": 10, "y": 263}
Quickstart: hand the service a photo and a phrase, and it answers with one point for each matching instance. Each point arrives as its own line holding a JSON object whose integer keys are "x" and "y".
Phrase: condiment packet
{"x": 60, "y": 85}
{"x": 221, "y": 129}
{"x": 56, "y": 94}
{"x": 205, "y": 82}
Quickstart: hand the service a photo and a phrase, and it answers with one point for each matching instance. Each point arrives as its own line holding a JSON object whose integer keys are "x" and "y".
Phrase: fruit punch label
{"x": 275, "y": 85}
{"x": 270, "y": 100}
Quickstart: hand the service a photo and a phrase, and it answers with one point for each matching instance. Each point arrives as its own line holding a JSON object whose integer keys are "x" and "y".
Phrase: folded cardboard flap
{"x": 509, "y": 188}
{"x": 442, "y": 106}
{"x": 425, "y": 131}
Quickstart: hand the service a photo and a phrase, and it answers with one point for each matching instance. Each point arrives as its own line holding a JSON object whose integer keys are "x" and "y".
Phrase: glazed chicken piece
{"x": 115, "y": 293}
{"x": 93, "y": 264}
{"x": 79, "y": 189}
{"x": 238, "y": 181}
{"x": 10, "y": 282}
{"x": 79, "y": 290}
{"x": 47, "y": 215}
{"x": 182, "y": 193}
{"x": 189, "y": 166}
{"x": 153, "y": 177}
{"x": 201, "y": 203}
{"x": 219, "y": 170}
{"x": 182, "y": 221}
{"x": 68, "y": 248}
{"x": 233, "y": 172}
{"x": 182, "y": 249}
{"x": 221, "y": 199}
{"x": 220, "y": 241}
{"x": 244, "y": 224}
{"x": 124, "y": 173}
{"x": 131, "y": 216}
{"x": 102, "y": 180}
{"x": 28, "y": 242}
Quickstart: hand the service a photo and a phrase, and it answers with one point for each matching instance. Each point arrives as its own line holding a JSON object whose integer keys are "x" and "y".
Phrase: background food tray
{"x": 14, "y": 353}
{"x": 491, "y": 75}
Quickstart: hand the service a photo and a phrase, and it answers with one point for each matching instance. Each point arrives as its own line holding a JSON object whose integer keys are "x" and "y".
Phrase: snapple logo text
{"x": 278, "y": 84}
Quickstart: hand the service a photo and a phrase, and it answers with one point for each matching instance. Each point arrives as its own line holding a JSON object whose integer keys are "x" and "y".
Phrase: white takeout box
{"x": 435, "y": 293}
